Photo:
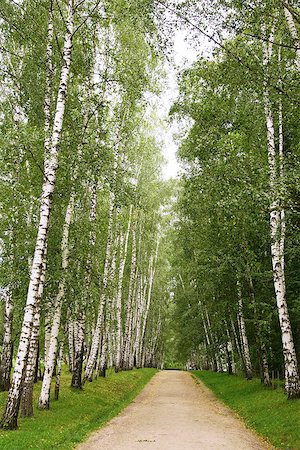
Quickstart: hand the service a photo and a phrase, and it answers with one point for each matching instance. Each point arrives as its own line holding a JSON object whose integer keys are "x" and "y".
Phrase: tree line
{"x": 83, "y": 280}
{"x": 236, "y": 239}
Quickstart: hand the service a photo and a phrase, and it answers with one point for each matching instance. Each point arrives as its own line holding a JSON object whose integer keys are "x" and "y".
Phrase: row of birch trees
{"x": 83, "y": 279}
{"x": 237, "y": 232}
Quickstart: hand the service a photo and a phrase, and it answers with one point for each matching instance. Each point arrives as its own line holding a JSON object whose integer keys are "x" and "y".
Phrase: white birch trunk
{"x": 96, "y": 371}
{"x": 103, "y": 352}
{"x": 262, "y": 348}
{"x": 88, "y": 375}
{"x": 6, "y": 357}
{"x": 108, "y": 322}
{"x": 215, "y": 352}
{"x": 146, "y": 313}
{"x": 48, "y": 319}
{"x": 9, "y": 420}
{"x": 133, "y": 322}
{"x": 236, "y": 339}
{"x": 140, "y": 308}
{"x": 27, "y": 394}
{"x": 58, "y": 367}
{"x": 292, "y": 383}
{"x": 52, "y": 352}
{"x": 213, "y": 363}
{"x": 79, "y": 347}
{"x": 119, "y": 296}
{"x": 294, "y": 34}
{"x": 49, "y": 75}
{"x": 205, "y": 329}
{"x": 244, "y": 339}
{"x": 129, "y": 313}
{"x": 71, "y": 344}
{"x": 230, "y": 350}
{"x": 281, "y": 171}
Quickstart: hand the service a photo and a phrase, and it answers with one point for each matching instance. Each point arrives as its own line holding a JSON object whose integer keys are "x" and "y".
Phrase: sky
{"x": 185, "y": 54}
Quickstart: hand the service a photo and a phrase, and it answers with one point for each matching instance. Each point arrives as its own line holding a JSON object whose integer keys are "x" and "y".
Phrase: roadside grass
{"x": 70, "y": 419}
{"x": 266, "y": 410}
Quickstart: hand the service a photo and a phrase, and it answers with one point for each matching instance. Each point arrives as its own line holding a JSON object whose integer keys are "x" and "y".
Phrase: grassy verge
{"x": 76, "y": 413}
{"x": 266, "y": 410}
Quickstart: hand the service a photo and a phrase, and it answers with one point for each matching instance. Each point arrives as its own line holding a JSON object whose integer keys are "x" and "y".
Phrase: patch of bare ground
{"x": 175, "y": 412}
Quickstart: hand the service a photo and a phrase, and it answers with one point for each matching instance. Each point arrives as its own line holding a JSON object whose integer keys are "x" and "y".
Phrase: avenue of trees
{"x": 103, "y": 264}
{"x": 83, "y": 281}
{"x": 236, "y": 240}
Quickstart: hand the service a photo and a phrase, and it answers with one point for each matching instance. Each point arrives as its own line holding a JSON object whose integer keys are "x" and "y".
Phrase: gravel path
{"x": 174, "y": 412}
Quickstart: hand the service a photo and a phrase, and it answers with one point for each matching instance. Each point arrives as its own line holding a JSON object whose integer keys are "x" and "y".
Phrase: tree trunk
{"x": 262, "y": 354}
{"x": 88, "y": 375}
{"x": 292, "y": 382}
{"x": 129, "y": 313}
{"x": 119, "y": 296}
{"x": 78, "y": 360}
{"x": 140, "y": 310}
{"x": 52, "y": 353}
{"x": 58, "y": 367}
{"x": 153, "y": 262}
{"x": 244, "y": 339}
{"x": 6, "y": 357}
{"x": 71, "y": 349}
{"x": 229, "y": 351}
{"x": 214, "y": 349}
{"x": 79, "y": 343}
{"x": 31, "y": 367}
{"x": 294, "y": 34}
{"x": 9, "y": 420}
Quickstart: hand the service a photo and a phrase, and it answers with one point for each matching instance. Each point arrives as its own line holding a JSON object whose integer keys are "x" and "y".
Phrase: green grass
{"x": 266, "y": 410}
{"x": 70, "y": 419}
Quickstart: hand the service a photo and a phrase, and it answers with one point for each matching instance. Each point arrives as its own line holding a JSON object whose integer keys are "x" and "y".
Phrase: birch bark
{"x": 129, "y": 313}
{"x": 78, "y": 350}
{"x": 79, "y": 345}
{"x": 119, "y": 297}
{"x": 58, "y": 366}
{"x": 230, "y": 353}
{"x": 214, "y": 345}
{"x": 262, "y": 354}
{"x": 6, "y": 357}
{"x": 292, "y": 382}
{"x": 70, "y": 344}
{"x": 9, "y": 420}
{"x": 108, "y": 317}
{"x": 236, "y": 340}
{"x": 27, "y": 394}
{"x": 244, "y": 339}
{"x": 140, "y": 309}
{"x": 52, "y": 352}
{"x": 88, "y": 375}
{"x": 211, "y": 360}
{"x": 152, "y": 275}
{"x": 294, "y": 34}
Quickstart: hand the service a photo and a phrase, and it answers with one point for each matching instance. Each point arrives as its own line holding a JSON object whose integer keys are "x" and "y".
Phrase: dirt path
{"x": 174, "y": 412}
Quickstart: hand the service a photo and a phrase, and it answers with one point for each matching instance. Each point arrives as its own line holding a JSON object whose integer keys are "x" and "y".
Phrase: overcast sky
{"x": 184, "y": 56}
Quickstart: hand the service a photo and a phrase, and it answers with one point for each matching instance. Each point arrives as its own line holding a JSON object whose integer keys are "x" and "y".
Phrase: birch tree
{"x": 9, "y": 419}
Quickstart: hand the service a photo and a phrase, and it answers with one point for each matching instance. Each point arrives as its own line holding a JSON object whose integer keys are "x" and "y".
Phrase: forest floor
{"x": 175, "y": 412}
